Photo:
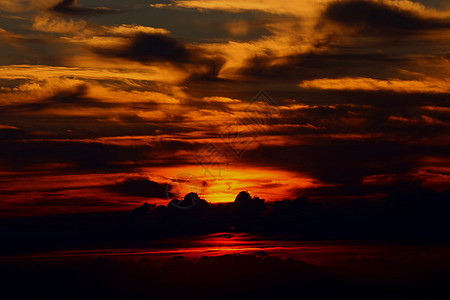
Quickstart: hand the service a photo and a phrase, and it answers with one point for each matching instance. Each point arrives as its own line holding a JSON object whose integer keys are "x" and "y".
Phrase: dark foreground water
{"x": 225, "y": 265}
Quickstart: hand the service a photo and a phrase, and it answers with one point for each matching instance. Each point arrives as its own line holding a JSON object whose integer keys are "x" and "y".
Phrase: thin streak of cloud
{"x": 430, "y": 85}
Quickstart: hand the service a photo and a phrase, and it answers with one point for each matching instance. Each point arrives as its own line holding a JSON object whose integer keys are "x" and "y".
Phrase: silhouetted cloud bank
{"x": 414, "y": 215}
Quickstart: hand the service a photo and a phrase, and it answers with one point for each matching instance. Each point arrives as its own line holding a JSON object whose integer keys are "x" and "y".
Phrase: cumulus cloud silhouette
{"x": 244, "y": 200}
{"x": 190, "y": 200}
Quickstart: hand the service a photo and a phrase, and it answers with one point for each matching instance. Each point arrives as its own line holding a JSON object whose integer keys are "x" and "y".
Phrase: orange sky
{"x": 104, "y": 105}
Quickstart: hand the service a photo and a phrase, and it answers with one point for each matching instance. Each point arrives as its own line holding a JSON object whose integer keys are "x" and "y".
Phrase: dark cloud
{"x": 19, "y": 155}
{"x": 149, "y": 48}
{"x": 336, "y": 60}
{"x": 142, "y": 187}
{"x": 61, "y": 200}
{"x": 71, "y": 7}
{"x": 335, "y": 63}
{"x": 338, "y": 161}
{"x": 381, "y": 18}
{"x": 25, "y": 154}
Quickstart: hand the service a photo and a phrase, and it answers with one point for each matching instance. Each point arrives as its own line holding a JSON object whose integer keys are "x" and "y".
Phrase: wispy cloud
{"x": 426, "y": 85}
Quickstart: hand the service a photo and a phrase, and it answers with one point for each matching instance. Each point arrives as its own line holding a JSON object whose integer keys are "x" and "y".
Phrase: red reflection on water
{"x": 330, "y": 253}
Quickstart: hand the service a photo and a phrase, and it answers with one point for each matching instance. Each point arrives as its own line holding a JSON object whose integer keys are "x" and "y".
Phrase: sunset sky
{"x": 105, "y": 105}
